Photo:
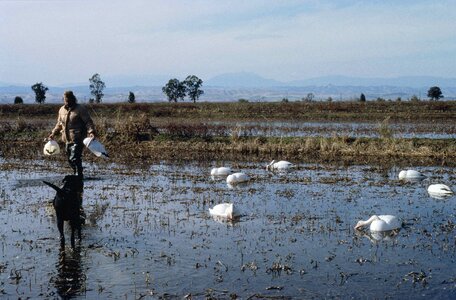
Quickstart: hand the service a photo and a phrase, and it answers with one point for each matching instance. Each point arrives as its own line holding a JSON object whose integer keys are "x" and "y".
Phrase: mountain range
{"x": 245, "y": 79}
{"x": 250, "y": 86}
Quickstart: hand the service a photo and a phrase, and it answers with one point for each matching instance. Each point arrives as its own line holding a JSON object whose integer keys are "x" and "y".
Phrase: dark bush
{"x": 18, "y": 100}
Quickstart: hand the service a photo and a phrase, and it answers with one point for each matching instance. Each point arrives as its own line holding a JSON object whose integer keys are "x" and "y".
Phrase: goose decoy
{"x": 279, "y": 165}
{"x": 410, "y": 174}
{"x": 222, "y": 171}
{"x": 380, "y": 223}
{"x": 224, "y": 210}
{"x": 95, "y": 147}
{"x": 51, "y": 148}
{"x": 439, "y": 189}
{"x": 237, "y": 178}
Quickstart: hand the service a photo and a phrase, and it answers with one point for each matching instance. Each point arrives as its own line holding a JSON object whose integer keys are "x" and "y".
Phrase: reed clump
{"x": 127, "y": 129}
{"x": 384, "y": 129}
{"x": 186, "y": 131}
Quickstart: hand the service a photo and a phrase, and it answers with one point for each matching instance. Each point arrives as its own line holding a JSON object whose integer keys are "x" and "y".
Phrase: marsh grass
{"x": 265, "y": 111}
{"x": 182, "y": 131}
{"x": 190, "y": 142}
{"x": 236, "y": 134}
{"x": 384, "y": 129}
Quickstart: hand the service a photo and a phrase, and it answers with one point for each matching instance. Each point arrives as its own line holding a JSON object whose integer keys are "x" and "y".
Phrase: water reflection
{"x": 280, "y": 171}
{"x": 240, "y": 185}
{"x": 218, "y": 177}
{"x": 71, "y": 278}
{"x": 412, "y": 180}
{"x": 229, "y": 222}
{"x": 379, "y": 236}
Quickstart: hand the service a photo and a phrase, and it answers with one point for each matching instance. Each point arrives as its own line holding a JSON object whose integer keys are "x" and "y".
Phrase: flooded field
{"x": 149, "y": 233}
{"x": 443, "y": 130}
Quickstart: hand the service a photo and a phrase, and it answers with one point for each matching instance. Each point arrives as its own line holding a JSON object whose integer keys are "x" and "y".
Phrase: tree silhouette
{"x": 131, "y": 97}
{"x": 193, "y": 85}
{"x": 435, "y": 93}
{"x": 18, "y": 100}
{"x": 174, "y": 90}
{"x": 96, "y": 87}
{"x": 40, "y": 92}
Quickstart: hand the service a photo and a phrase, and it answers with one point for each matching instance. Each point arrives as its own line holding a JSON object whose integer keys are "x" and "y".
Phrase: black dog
{"x": 67, "y": 203}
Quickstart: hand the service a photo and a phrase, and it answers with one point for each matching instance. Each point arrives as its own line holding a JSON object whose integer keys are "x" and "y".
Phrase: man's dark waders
{"x": 74, "y": 154}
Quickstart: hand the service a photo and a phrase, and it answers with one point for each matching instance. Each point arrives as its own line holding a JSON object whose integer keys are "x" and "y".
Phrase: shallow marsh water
{"x": 149, "y": 233}
{"x": 434, "y": 130}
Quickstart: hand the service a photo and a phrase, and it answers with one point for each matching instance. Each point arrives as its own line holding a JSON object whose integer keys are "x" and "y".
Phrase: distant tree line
{"x": 434, "y": 93}
{"x": 96, "y": 89}
{"x": 174, "y": 90}
{"x": 177, "y": 90}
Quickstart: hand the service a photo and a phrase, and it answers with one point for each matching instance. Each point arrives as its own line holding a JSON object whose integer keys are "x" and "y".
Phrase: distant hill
{"x": 242, "y": 79}
{"x": 137, "y": 80}
{"x": 403, "y": 81}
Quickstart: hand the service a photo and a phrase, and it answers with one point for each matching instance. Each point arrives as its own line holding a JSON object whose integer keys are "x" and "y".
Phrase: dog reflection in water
{"x": 71, "y": 279}
{"x": 68, "y": 206}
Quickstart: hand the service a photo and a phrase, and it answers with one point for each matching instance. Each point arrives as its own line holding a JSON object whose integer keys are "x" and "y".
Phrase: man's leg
{"x": 69, "y": 153}
{"x": 75, "y": 158}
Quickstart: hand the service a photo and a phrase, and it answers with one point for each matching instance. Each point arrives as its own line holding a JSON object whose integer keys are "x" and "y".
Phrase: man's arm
{"x": 85, "y": 116}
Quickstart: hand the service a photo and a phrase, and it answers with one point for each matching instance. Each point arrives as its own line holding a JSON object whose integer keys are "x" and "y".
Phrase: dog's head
{"x": 73, "y": 186}
{"x": 72, "y": 179}
{"x": 68, "y": 197}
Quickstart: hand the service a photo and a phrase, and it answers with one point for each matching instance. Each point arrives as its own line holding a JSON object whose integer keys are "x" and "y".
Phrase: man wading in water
{"x": 74, "y": 122}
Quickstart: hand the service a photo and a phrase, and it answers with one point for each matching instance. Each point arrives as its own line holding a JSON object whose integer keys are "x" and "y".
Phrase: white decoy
{"x": 51, "y": 148}
{"x": 222, "y": 171}
{"x": 95, "y": 147}
{"x": 410, "y": 174}
{"x": 224, "y": 210}
{"x": 380, "y": 223}
{"x": 237, "y": 178}
{"x": 439, "y": 189}
{"x": 279, "y": 165}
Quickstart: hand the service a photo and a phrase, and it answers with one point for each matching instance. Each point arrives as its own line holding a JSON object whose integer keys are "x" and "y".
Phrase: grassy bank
{"x": 156, "y": 131}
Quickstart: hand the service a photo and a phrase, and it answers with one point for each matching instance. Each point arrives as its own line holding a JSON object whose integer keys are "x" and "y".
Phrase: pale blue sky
{"x": 60, "y": 42}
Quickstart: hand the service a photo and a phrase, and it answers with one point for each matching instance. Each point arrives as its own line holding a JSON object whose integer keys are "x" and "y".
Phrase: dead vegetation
{"x": 154, "y": 131}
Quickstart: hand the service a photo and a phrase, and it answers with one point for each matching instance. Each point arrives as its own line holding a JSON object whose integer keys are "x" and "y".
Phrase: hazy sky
{"x": 59, "y": 42}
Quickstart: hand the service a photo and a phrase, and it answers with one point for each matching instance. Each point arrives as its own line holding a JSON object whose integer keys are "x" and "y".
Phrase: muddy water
{"x": 149, "y": 234}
